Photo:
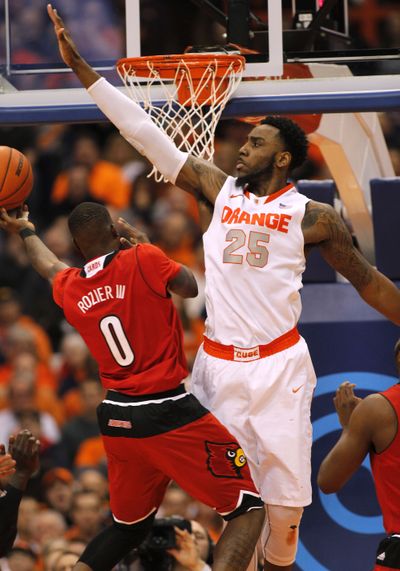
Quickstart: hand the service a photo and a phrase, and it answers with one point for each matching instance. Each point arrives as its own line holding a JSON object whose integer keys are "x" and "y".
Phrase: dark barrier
{"x": 385, "y": 199}
{"x": 317, "y": 270}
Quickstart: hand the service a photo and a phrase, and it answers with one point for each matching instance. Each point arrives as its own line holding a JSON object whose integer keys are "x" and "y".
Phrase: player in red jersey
{"x": 370, "y": 425}
{"x": 153, "y": 431}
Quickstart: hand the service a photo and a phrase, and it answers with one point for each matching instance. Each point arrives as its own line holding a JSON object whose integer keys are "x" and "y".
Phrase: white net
{"x": 191, "y": 96}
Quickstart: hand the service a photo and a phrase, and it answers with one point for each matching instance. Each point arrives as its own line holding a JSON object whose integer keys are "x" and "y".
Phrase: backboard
{"x": 36, "y": 87}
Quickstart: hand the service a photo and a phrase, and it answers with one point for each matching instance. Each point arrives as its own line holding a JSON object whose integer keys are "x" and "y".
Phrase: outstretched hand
{"x": 130, "y": 235}
{"x": 345, "y": 402}
{"x": 24, "y": 448}
{"x": 66, "y": 45}
{"x": 14, "y": 224}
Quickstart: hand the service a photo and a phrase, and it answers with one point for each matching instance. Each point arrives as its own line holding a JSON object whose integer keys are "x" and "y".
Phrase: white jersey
{"x": 254, "y": 258}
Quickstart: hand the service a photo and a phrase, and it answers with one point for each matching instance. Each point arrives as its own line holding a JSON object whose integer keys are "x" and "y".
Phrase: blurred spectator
{"x": 30, "y": 290}
{"x": 73, "y": 367}
{"x": 77, "y": 546}
{"x": 58, "y": 488}
{"x": 52, "y": 551}
{"x": 176, "y": 502}
{"x": 28, "y": 508}
{"x": 25, "y": 365}
{"x": 87, "y": 516}
{"x": 209, "y": 520}
{"x": 106, "y": 182}
{"x": 22, "y": 413}
{"x": 91, "y": 453}
{"x": 203, "y": 541}
{"x": 20, "y": 559}
{"x": 58, "y": 239}
{"x": 66, "y": 561}
{"x": 176, "y": 237}
{"x": 11, "y": 314}
{"x": 47, "y": 525}
{"x": 85, "y": 425}
{"x": 141, "y": 207}
{"x": 118, "y": 151}
{"x": 91, "y": 480}
{"x": 78, "y": 189}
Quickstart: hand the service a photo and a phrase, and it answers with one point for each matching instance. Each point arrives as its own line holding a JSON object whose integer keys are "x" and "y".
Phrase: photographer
{"x": 176, "y": 544}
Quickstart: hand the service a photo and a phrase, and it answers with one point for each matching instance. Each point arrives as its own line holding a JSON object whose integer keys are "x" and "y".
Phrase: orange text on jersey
{"x": 274, "y": 221}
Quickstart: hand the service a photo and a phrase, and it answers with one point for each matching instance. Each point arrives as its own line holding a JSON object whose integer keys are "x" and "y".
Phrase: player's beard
{"x": 255, "y": 178}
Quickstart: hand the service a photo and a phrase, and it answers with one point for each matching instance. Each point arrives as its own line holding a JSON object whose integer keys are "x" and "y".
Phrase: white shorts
{"x": 266, "y": 405}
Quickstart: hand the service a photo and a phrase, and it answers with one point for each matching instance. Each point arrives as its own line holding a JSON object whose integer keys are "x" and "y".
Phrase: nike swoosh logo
{"x": 297, "y": 389}
{"x": 235, "y": 195}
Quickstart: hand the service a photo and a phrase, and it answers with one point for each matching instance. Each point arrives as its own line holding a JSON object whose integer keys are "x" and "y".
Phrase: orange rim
{"x": 166, "y": 65}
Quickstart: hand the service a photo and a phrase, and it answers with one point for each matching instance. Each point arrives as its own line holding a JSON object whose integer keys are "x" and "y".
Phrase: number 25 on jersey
{"x": 257, "y": 255}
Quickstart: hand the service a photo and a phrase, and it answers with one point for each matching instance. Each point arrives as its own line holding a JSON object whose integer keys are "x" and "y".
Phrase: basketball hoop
{"x": 195, "y": 87}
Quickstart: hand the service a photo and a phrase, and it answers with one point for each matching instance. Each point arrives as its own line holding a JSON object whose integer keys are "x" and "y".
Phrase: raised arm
{"x": 357, "y": 418}
{"x": 201, "y": 178}
{"x": 323, "y": 227}
{"x": 42, "y": 259}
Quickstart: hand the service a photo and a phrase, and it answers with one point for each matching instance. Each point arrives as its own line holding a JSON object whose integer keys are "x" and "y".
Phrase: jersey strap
{"x": 243, "y": 354}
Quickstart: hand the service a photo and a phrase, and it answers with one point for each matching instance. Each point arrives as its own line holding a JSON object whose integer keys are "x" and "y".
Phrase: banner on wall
{"x": 340, "y": 532}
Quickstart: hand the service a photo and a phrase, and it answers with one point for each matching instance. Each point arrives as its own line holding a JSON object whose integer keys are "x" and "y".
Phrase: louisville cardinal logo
{"x": 225, "y": 460}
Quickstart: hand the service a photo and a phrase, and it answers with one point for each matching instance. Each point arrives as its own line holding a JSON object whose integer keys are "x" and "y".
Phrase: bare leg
{"x": 237, "y": 544}
{"x": 81, "y": 567}
{"x": 253, "y": 565}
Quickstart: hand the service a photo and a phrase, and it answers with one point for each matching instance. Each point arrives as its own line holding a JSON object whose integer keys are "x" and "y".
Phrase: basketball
{"x": 16, "y": 178}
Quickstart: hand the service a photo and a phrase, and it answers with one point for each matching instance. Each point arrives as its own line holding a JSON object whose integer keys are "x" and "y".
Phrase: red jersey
{"x": 386, "y": 471}
{"x": 120, "y": 306}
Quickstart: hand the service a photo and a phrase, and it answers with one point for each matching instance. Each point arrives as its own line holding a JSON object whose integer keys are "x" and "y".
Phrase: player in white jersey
{"x": 254, "y": 370}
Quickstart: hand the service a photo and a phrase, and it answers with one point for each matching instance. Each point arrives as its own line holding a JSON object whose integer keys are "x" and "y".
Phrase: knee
{"x": 280, "y": 534}
{"x": 114, "y": 543}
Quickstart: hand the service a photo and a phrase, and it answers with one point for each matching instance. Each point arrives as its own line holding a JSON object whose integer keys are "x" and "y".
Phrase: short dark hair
{"x": 293, "y": 136}
{"x": 88, "y": 214}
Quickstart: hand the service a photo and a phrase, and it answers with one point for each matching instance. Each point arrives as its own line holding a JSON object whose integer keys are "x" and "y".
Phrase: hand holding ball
{"x": 16, "y": 178}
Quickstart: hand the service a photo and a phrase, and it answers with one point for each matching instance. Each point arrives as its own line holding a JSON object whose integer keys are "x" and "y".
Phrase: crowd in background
{"x": 48, "y": 381}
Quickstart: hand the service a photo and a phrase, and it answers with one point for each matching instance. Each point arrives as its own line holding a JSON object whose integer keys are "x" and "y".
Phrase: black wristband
{"x": 26, "y": 232}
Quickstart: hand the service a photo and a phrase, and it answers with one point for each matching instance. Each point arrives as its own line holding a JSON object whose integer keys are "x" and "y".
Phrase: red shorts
{"x": 154, "y": 439}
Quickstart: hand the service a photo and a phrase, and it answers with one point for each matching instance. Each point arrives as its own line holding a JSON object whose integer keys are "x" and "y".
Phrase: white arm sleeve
{"x": 138, "y": 129}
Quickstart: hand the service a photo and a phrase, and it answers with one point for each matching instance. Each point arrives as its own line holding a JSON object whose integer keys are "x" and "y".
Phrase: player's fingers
{"x": 126, "y": 226}
{"x": 54, "y": 15}
{"x": 51, "y": 13}
{"x": 4, "y": 215}
{"x": 31, "y": 445}
{"x": 126, "y": 243}
{"x": 6, "y": 464}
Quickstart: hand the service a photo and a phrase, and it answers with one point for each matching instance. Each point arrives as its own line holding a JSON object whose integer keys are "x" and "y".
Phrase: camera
{"x": 152, "y": 553}
{"x": 163, "y": 536}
